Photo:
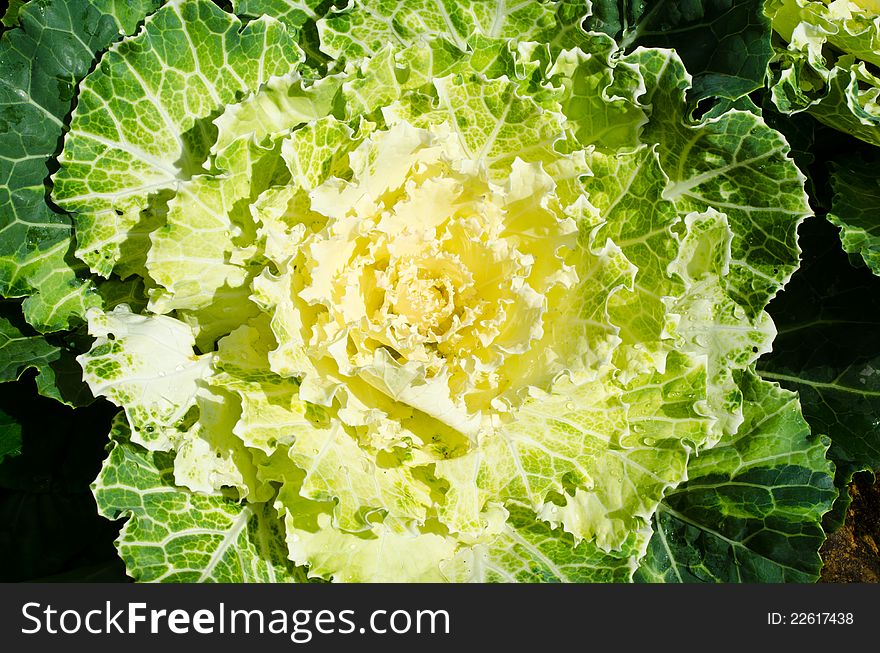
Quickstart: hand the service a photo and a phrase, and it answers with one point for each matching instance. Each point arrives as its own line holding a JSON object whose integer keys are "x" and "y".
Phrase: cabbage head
{"x": 435, "y": 291}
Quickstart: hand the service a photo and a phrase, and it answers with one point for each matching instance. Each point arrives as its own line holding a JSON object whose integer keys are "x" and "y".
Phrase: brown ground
{"x": 852, "y": 554}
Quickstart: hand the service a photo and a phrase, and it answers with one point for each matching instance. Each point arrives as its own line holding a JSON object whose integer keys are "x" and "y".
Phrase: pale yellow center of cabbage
{"x": 431, "y": 283}
{"x": 425, "y": 299}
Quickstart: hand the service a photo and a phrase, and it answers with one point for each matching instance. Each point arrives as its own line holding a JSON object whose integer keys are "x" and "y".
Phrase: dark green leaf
{"x": 41, "y": 63}
{"x": 855, "y": 208}
{"x": 10, "y": 436}
{"x": 752, "y": 507}
{"x": 828, "y": 319}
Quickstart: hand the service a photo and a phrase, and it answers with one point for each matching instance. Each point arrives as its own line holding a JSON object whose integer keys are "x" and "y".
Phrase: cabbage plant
{"x": 434, "y": 291}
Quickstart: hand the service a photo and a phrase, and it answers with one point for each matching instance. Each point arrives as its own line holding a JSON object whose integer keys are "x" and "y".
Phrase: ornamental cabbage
{"x": 432, "y": 292}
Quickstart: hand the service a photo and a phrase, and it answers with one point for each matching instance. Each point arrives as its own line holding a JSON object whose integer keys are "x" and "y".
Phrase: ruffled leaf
{"x": 752, "y": 507}
{"x": 827, "y": 66}
{"x": 177, "y": 536}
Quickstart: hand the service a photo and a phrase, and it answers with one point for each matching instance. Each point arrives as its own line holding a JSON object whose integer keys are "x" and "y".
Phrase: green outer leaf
{"x": 131, "y": 292}
{"x": 312, "y": 153}
{"x": 41, "y": 63}
{"x": 751, "y": 510}
{"x": 856, "y": 209}
{"x": 827, "y": 349}
{"x": 10, "y": 436}
{"x": 625, "y": 190}
{"x": 733, "y": 163}
{"x": 803, "y": 134}
{"x": 177, "y": 536}
{"x": 300, "y": 15}
{"x": 494, "y": 124}
{"x": 725, "y": 44}
{"x": 383, "y": 78}
{"x": 720, "y": 159}
{"x": 58, "y": 375}
{"x": 850, "y": 105}
{"x": 845, "y": 102}
{"x": 530, "y": 551}
{"x": 136, "y": 126}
